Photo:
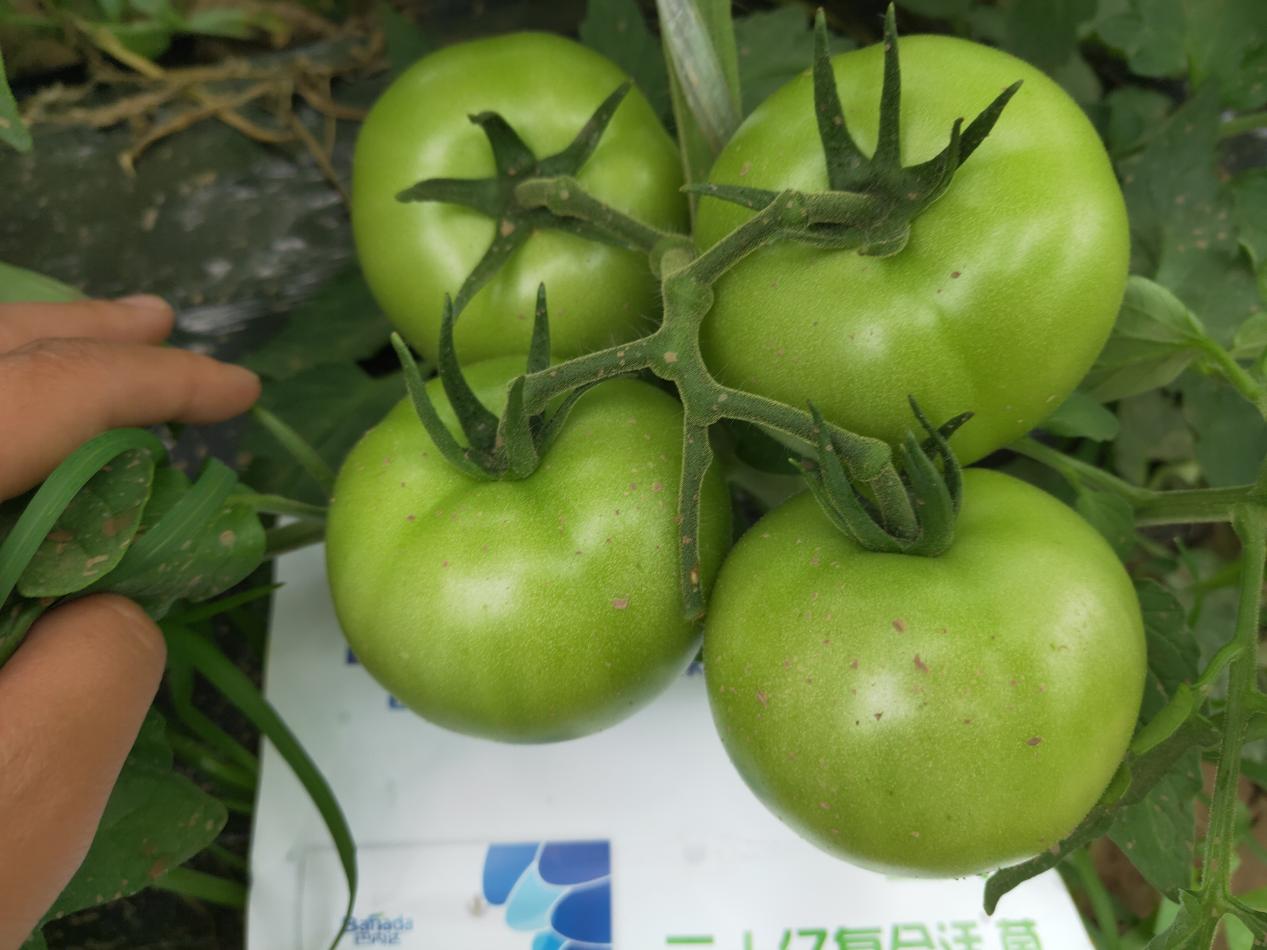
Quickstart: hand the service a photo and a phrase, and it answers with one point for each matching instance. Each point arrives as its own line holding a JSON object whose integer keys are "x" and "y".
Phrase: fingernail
{"x": 145, "y": 302}
{"x": 244, "y": 375}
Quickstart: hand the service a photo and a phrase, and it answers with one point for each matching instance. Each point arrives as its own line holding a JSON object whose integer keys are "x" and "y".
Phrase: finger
{"x": 57, "y": 394}
{"x": 139, "y": 319}
{"x": 71, "y": 701}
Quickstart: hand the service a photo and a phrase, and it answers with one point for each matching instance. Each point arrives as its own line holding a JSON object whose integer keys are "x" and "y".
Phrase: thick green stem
{"x": 1192, "y": 506}
{"x": 1078, "y": 473}
{"x": 1189, "y": 506}
{"x": 541, "y": 388}
{"x": 1250, "y": 522}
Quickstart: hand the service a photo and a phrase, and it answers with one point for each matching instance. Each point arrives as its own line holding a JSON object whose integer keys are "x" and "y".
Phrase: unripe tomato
{"x": 998, "y": 304}
{"x": 928, "y": 716}
{"x": 526, "y": 611}
{"x": 412, "y": 253}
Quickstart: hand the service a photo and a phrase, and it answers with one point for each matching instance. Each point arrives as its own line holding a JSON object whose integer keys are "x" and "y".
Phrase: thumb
{"x": 71, "y": 701}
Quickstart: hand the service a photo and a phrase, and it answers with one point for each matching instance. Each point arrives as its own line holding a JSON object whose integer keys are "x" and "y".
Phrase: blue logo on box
{"x": 560, "y": 891}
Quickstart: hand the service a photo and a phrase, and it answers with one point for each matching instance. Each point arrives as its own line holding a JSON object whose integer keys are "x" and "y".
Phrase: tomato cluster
{"x": 920, "y": 715}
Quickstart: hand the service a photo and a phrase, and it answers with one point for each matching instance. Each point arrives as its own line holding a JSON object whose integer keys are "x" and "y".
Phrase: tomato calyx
{"x": 870, "y": 202}
{"x": 935, "y": 494}
{"x": 507, "y": 448}
{"x": 519, "y": 196}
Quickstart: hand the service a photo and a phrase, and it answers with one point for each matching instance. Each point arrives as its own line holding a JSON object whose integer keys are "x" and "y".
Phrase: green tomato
{"x": 413, "y": 253}
{"x": 526, "y": 611}
{"x": 928, "y": 716}
{"x": 998, "y": 304}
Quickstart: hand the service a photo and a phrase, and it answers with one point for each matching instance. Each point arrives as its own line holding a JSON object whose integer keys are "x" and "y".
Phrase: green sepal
{"x": 935, "y": 506}
{"x": 518, "y": 443}
{"x": 443, "y": 440}
{"x": 510, "y": 155}
{"x": 831, "y": 487}
{"x": 539, "y": 346}
{"x": 484, "y": 195}
{"x": 932, "y": 494}
{"x": 570, "y": 160}
{"x": 846, "y": 165}
{"x": 478, "y": 424}
{"x": 888, "y": 149}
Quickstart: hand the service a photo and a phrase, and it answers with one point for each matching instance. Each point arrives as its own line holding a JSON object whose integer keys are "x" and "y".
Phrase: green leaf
{"x": 1046, "y": 34}
{"x": 617, "y": 29}
{"x": 1082, "y": 417}
{"x": 1190, "y": 929}
{"x": 13, "y": 131}
{"x": 19, "y": 285}
{"x": 1157, "y": 833}
{"x": 154, "y": 820}
{"x": 1152, "y": 429}
{"x": 1153, "y": 341}
{"x": 1230, "y": 434}
{"x": 192, "y": 546}
{"x": 203, "y": 656}
{"x": 710, "y": 57}
{"x": 1181, "y": 218}
{"x": 775, "y": 46}
{"x": 1133, "y": 114}
{"x": 330, "y": 407}
{"x": 1226, "y": 44}
{"x": 92, "y": 534}
{"x": 1150, "y": 34}
{"x": 1112, "y": 516}
{"x": 341, "y": 322}
{"x": 406, "y": 42}
{"x": 1173, "y": 655}
{"x": 1251, "y": 337}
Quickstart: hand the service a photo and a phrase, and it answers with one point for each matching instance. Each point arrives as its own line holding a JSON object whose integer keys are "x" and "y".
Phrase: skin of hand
{"x": 73, "y": 696}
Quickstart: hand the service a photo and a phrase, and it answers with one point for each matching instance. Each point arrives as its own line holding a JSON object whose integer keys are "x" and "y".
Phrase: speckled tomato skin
{"x": 524, "y": 611}
{"x": 998, "y": 304}
{"x": 928, "y": 716}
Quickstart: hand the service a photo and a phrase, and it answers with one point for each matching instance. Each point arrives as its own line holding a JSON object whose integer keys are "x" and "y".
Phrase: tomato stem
{"x": 1250, "y": 523}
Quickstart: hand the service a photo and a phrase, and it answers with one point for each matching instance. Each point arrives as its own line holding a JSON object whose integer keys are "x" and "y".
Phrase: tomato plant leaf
{"x": 1181, "y": 217}
{"x": 155, "y": 819}
{"x": 1150, "y": 34}
{"x": 1190, "y": 929}
{"x": 1112, "y": 516}
{"x": 774, "y": 46}
{"x": 1157, "y": 832}
{"x": 1046, "y": 34}
{"x": 1173, "y": 655}
{"x": 1230, "y": 434}
{"x": 340, "y": 323}
{"x": 1154, "y": 339}
{"x": 1152, "y": 430}
{"x": 1082, "y": 416}
{"x": 94, "y": 531}
{"x": 1132, "y": 114}
{"x": 13, "y": 130}
{"x": 616, "y": 29}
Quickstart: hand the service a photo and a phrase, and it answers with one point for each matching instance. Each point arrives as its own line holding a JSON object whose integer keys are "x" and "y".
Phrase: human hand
{"x": 73, "y": 696}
